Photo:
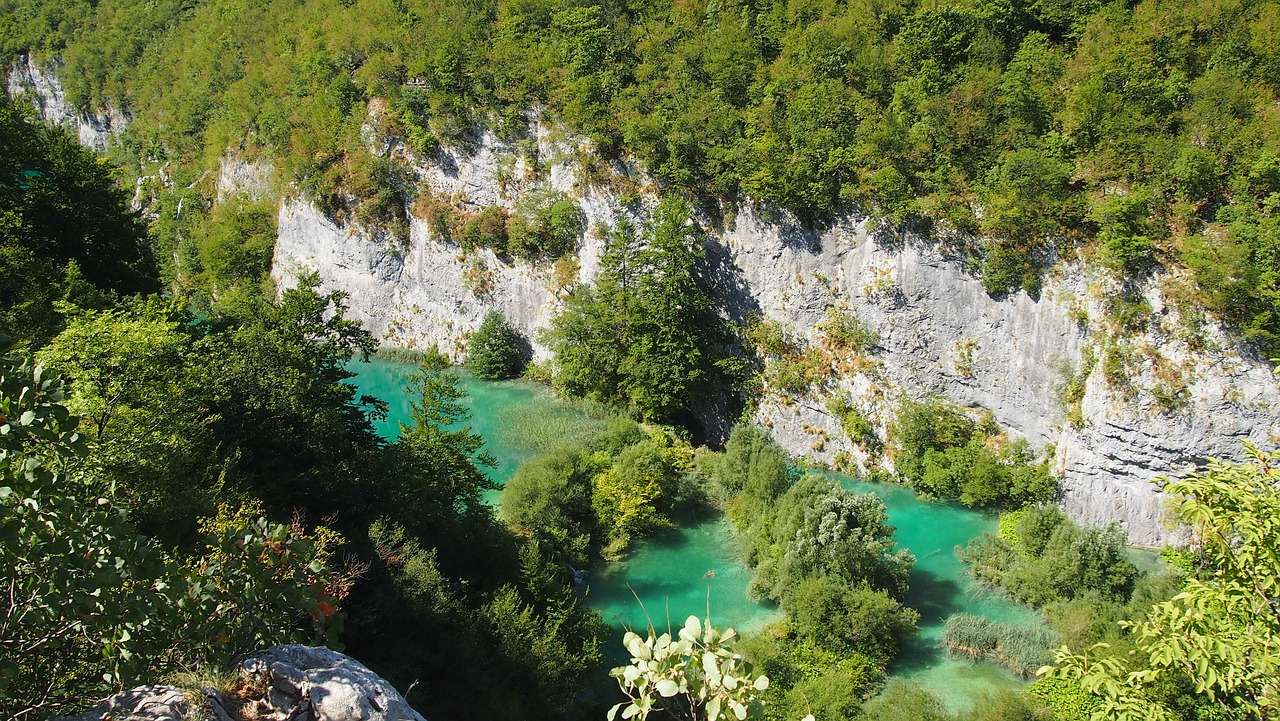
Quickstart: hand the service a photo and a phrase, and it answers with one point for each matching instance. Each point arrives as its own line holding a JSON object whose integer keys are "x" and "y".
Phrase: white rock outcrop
{"x": 939, "y": 331}
{"x": 281, "y": 683}
{"x": 39, "y": 85}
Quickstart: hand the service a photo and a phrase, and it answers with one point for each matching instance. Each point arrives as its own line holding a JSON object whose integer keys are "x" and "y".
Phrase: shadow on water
{"x": 935, "y": 598}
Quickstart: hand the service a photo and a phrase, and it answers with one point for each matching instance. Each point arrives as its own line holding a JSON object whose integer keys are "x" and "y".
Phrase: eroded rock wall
{"x": 39, "y": 85}
{"x": 939, "y": 331}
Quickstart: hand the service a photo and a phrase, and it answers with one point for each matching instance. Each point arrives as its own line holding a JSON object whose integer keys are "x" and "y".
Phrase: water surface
{"x": 673, "y": 572}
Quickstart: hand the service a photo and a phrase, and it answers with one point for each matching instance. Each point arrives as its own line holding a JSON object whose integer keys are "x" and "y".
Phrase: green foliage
{"x": 1023, "y": 128}
{"x": 66, "y": 231}
{"x": 847, "y": 332}
{"x": 845, "y": 619}
{"x": 904, "y": 701}
{"x": 544, "y": 225}
{"x": 1054, "y": 559}
{"x": 1008, "y": 531}
{"x": 698, "y": 671}
{"x": 621, "y": 486}
{"x": 496, "y": 350}
{"x": 552, "y": 492}
{"x": 234, "y": 245}
{"x": 945, "y": 453}
{"x": 853, "y": 421}
{"x": 820, "y": 528}
{"x": 753, "y": 468}
{"x": 91, "y": 605}
{"x": 636, "y": 494}
{"x": 1222, "y": 631}
{"x": 1068, "y": 701}
{"x": 806, "y": 678}
{"x": 645, "y": 335}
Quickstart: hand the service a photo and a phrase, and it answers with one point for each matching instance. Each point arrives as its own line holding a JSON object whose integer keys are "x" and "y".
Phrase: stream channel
{"x": 675, "y": 572}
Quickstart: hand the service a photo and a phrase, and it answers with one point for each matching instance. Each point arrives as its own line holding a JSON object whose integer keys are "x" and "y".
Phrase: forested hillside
{"x": 177, "y": 491}
{"x": 1142, "y": 134}
{"x": 185, "y": 476}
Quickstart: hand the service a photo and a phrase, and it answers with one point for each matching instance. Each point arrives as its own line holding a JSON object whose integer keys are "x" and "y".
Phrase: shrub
{"x": 1068, "y": 701}
{"x": 486, "y": 229}
{"x": 552, "y": 493}
{"x": 846, "y": 330}
{"x": 1054, "y": 559}
{"x": 945, "y": 453}
{"x": 853, "y": 421}
{"x": 545, "y": 225}
{"x": 824, "y": 529}
{"x": 846, "y": 619}
{"x": 496, "y": 350}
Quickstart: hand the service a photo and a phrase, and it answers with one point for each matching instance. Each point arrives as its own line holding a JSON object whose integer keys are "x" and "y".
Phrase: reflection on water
{"x": 676, "y": 572}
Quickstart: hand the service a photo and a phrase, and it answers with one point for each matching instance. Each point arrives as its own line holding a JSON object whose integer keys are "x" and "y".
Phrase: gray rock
{"x": 940, "y": 332}
{"x": 145, "y": 703}
{"x": 337, "y": 687}
{"x": 39, "y": 84}
{"x": 284, "y": 683}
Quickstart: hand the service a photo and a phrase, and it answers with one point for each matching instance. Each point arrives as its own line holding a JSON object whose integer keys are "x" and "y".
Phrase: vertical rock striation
{"x": 39, "y": 85}
{"x": 939, "y": 331}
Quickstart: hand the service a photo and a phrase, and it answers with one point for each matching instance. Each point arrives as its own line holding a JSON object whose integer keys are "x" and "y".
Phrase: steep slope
{"x": 939, "y": 331}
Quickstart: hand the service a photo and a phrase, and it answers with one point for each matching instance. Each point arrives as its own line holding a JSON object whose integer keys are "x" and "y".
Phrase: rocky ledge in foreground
{"x": 282, "y": 683}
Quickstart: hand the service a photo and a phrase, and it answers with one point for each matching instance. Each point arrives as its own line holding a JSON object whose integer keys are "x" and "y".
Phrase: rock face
{"x": 39, "y": 85}
{"x": 145, "y": 703}
{"x": 307, "y": 682}
{"x": 293, "y": 683}
{"x": 939, "y": 331}
{"x": 1180, "y": 393}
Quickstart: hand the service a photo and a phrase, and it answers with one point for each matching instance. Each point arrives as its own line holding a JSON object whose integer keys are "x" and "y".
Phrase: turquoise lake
{"x": 675, "y": 573}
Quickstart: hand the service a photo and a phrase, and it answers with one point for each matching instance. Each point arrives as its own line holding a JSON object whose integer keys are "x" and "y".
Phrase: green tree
{"x": 1223, "y": 629}
{"x": 136, "y": 376}
{"x": 545, "y": 225}
{"x": 496, "y": 350}
{"x": 646, "y": 334}
{"x": 61, "y": 209}
{"x": 89, "y": 605}
{"x": 846, "y": 619}
{"x": 824, "y": 529}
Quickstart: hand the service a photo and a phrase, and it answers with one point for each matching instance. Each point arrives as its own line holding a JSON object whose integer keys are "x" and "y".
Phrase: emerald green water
{"x": 673, "y": 572}
{"x": 496, "y": 407}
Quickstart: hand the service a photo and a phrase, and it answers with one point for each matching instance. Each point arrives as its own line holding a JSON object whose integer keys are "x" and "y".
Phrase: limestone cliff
{"x": 1188, "y": 394}
{"x": 38, "y": 84}
{"x": 1154, "y": 399}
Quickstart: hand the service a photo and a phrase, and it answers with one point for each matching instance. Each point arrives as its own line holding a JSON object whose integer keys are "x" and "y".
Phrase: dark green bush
{"x": 946, "y": 454}
{"x": 1054, "y": 559}
{"x": 545, "y": 225}
{"x": 496, "y": 350}
{"x": 845, "y": 619}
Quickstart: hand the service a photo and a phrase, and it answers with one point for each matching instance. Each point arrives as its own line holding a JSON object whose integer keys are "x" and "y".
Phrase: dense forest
{"x": 186, "y": 477}
{"x": 1142, "y": 135}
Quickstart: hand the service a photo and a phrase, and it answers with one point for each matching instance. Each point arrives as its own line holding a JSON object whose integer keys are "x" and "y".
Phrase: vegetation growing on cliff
{"x": 645, "y": 335}
{"x": 945, "y": 453}
{"x": 1143, "y": 133}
